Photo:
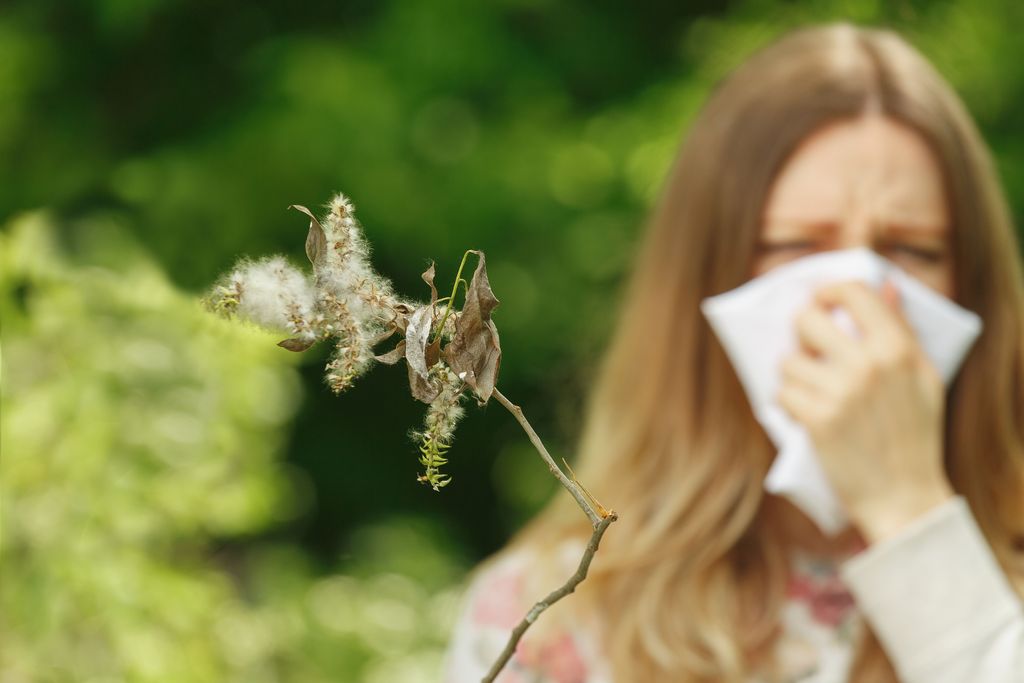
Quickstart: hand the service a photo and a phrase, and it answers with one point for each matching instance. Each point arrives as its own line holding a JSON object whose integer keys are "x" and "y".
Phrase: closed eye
{"x": 764, "y": 246}
{"x": 927, "y": 254}
{"x": 930, "y": 255}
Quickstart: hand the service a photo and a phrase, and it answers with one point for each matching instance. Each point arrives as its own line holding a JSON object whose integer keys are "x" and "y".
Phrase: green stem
{"x": 451, "y": 299}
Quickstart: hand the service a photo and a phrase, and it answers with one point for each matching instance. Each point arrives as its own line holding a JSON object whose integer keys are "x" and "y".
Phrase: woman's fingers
{"x": 798, "y": 400}
{"x": 799, "y": 368}
{"x": 878, "y": 321}
{"x": 818, "y": 332}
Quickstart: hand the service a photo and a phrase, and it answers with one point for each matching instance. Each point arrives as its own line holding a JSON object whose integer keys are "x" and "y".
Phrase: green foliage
{"x": 139, "y": 434}
{"x": 135, "y": 429}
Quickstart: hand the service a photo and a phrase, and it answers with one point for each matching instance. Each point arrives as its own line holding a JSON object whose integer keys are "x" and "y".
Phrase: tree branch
{"x": 600, "y": 519}
{"x": 573, "y": 488}
{"x": 552, "y": 597}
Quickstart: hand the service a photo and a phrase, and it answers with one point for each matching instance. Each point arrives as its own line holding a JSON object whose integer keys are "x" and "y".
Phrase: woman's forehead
{"x": 871, "y": 163}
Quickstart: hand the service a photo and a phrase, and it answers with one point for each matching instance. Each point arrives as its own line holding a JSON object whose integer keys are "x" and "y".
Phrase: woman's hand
{"x": 873, "y": 407}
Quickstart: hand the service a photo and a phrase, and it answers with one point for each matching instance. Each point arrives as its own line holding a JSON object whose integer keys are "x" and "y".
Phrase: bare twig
{"x": 573, "y": 488}
{"x": 552, "y": 597}
{"x": 600, "y": 518}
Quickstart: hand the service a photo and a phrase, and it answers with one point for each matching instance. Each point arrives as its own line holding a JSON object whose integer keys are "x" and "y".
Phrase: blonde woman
{"x": 831, "y": 137}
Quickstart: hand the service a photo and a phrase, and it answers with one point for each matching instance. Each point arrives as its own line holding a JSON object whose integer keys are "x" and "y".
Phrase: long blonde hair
{"x": 688, "y": 584}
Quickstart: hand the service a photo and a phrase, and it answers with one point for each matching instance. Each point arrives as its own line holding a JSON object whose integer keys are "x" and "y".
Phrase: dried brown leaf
{"x": 475, "y": 350}
{"x": 296, "y": 344}
{"x": 433, "y": 352}
{"x": 394, "y": 355}
{"x": 402, "y": 312}
{"x": 417, "y": 332}
{"x": 316, "y": 239}
{"x": 385, "y": 335}
{"x": 428, "y": 277}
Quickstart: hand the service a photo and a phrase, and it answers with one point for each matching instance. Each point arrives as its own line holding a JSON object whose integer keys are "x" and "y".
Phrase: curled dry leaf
{"x": 316, "y": 239}
{"x": 475, "y": 351}
{"x": 417, "y": 332}
{"x": 433, "y": 350}
{"x": 394, "y": 355}
{"x": 428, "y": 277}
{"x": 296, "y": 344}
{"x": 383, "y": 336}
{"x": 402, "y": 312}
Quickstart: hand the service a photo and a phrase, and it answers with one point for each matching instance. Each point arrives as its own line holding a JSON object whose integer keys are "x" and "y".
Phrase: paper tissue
{"x": 755, "y": 325}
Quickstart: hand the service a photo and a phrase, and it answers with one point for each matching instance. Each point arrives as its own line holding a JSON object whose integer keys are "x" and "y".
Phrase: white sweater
{"x": 940, "y": 604}
{"x": 933, "y": 593}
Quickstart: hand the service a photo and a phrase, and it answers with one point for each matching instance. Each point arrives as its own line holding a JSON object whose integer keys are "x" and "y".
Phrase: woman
{"x": 831, "y": 137}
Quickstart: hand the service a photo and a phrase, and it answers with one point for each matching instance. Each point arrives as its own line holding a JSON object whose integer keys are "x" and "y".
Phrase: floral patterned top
{"x": 822, "y": 619}
{"x": 819, "y": 618}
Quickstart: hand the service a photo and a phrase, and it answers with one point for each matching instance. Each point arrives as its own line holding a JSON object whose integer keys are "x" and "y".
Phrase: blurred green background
{"x": 185, "y": 501}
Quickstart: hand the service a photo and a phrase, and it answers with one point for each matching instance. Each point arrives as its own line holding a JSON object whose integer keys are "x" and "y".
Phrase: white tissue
{"x": 754, "y": 323}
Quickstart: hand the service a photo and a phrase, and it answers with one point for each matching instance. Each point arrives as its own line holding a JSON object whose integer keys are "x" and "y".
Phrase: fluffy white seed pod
{"x": 346, "y": 271}
{"x": 274, "y": 294}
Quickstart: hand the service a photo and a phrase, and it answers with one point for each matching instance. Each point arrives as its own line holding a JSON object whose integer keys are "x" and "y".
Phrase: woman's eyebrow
{"x": 820, "y": 227}
{"x": 916, "y": 230}
{"x": 802, "y": 226}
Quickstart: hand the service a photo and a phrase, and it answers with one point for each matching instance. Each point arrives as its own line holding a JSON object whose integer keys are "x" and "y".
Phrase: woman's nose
{"x": 857, "y": 230}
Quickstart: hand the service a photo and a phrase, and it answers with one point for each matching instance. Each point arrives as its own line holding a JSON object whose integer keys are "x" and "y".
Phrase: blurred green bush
{"x": 141, "y": 435}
